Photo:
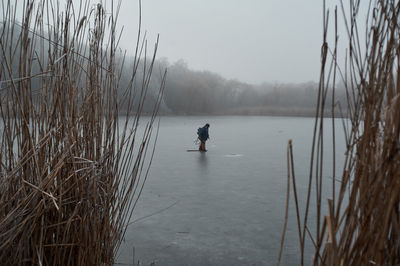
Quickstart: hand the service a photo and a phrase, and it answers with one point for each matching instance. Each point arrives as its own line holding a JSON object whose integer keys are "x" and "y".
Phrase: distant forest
{"x": 192, "y": 92}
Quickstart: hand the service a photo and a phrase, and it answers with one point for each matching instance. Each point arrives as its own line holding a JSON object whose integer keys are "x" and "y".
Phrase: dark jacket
{"x": 202, "y": 132}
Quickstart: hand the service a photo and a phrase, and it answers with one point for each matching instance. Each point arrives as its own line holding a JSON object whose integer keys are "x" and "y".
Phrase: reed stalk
{"x": 70, "y": 170}
{"x": 362, "y": 224}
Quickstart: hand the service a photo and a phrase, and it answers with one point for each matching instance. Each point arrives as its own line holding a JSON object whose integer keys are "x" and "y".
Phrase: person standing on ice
{"x": 203, "y": 136}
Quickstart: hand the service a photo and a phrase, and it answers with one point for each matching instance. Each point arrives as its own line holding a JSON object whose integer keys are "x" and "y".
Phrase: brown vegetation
{"x": 362, "y": 226}
{"x": 70, "y": 170}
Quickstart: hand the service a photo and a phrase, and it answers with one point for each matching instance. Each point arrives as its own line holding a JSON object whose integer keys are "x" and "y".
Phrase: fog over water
{"x": 230, "y": 57}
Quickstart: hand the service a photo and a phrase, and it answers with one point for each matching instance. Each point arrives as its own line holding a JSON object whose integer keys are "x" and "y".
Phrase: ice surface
{"x": 225, "y": 206}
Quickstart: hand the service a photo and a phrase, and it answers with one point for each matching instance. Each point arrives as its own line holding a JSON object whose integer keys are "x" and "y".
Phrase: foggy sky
{"x": 255, "y": 41}
{"x": 252, "y": 41}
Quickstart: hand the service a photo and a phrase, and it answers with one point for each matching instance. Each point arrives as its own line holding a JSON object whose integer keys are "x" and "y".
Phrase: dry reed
{"x": 70, "y": 171}
{"x": 362, "y": 226}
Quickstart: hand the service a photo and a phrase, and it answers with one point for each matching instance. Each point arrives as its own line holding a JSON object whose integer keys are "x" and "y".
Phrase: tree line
{"x": 193, "y": 92}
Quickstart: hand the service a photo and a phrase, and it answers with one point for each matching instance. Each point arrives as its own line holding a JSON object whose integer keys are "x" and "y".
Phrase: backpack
{"x": 199, "y": 131}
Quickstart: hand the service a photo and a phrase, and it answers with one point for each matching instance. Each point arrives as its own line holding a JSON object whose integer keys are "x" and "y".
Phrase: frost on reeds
{"x": 362, "y": 223}
{"x": 71, "y": 169}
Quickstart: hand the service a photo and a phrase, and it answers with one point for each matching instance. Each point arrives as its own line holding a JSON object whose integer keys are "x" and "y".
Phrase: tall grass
{"x": 362, "y": 226}
{"x": 70, "y": 171}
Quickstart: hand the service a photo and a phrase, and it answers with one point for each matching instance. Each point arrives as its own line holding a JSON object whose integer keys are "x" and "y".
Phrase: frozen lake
{"x": 225, "y": 206}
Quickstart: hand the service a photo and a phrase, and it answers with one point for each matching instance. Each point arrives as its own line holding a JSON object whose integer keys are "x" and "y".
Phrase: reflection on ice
{"x": 233, "y": 155}
{"x": 203, "y": 159}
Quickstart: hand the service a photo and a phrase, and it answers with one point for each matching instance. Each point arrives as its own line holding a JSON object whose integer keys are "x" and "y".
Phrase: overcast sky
{"x": 252, "y": 41}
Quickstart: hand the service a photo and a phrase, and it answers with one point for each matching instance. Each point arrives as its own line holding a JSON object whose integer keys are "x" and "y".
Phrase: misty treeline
{"x": 193, "y": 92}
